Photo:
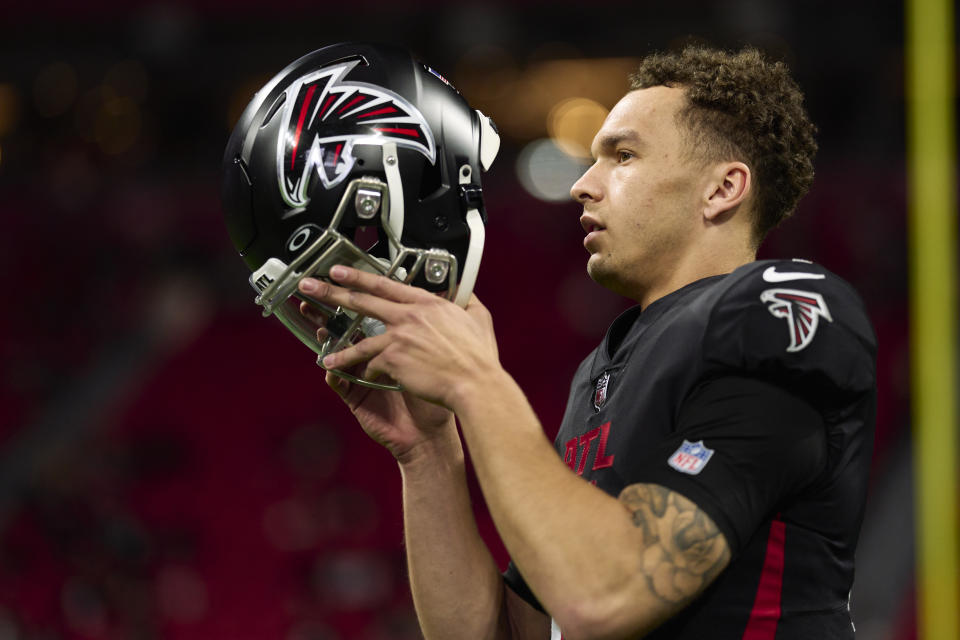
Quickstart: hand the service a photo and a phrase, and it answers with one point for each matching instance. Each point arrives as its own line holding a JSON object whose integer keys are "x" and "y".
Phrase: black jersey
{"x": 702, "y": 392}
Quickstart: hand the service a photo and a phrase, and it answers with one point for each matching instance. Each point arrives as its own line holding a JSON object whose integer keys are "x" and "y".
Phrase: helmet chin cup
{"x": 277, "y": 283}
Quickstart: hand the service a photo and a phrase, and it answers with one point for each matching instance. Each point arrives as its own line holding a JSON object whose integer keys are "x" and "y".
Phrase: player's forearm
{"x": 457, "y": 589}
{"x": 572, "y": 542}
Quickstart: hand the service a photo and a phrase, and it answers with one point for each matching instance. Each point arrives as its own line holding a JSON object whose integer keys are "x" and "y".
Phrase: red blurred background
{"x": 171, "y": 464}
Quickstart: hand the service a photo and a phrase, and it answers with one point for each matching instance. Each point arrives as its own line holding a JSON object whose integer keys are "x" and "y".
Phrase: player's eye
{"x": 623, "y": 156}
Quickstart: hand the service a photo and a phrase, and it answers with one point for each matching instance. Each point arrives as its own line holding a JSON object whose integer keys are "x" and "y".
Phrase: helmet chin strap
{"x": 471, "y": 265}
{"x": 489, "y": 147}
{"x": 391, "y": 168}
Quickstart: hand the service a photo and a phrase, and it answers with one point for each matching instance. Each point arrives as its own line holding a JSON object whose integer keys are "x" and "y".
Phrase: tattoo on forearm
{"x": 684, "y": 549}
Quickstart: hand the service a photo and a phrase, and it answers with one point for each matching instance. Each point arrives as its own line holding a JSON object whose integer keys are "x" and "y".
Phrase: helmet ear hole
{"x": 431, "y": 181}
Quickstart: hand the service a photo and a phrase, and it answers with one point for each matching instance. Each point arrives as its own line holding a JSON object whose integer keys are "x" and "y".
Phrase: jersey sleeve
{"x": 742, "y": 448}
{"x": 794, "y": 324}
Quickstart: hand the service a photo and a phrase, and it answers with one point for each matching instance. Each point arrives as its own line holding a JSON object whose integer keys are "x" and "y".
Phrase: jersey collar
{"x": 632, "y": 323}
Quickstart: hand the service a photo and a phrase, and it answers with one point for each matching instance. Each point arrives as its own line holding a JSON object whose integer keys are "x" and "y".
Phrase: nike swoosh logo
{"x": 772, "y": 275}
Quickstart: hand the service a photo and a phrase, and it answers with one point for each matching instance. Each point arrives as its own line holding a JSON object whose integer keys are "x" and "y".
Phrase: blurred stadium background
{"x": 171, "y": 464}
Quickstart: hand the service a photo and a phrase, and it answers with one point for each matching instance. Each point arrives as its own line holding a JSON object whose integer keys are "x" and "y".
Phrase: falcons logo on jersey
{"x": 802, "y": 311}
{"x": 324, "y": 117}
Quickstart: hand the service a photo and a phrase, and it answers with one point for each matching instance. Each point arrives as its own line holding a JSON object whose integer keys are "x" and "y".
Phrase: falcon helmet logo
{"x": 325, "y": 116}
{"x": 802, "y": 311}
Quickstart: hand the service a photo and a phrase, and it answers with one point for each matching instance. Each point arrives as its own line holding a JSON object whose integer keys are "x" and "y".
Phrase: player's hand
{"x": 399, "y": 421}
{"x": 430, "y": 346}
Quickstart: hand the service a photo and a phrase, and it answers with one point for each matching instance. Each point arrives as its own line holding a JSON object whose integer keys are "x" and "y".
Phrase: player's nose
{"x": 587, "y": 188}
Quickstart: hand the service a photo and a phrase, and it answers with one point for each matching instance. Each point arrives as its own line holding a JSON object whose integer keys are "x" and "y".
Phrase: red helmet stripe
{"x": 378, "y": 112}
{"x": 406, "y": 132}
{"x": 324, "y": 110}
{"x": 303, "y": 114}
{"x": 350, "y": 104}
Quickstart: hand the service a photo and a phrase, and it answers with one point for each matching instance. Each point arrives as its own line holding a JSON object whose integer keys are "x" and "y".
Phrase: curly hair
{"x": 741, "y": 106}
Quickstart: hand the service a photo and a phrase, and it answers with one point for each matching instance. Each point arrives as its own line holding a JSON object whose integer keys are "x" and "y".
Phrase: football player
{"x": 709, "y": 476}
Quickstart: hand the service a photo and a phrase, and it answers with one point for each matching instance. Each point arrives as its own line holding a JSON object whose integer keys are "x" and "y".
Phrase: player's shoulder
{"x": 763, "y": 275}
{"x": 785, "y": 288}
{"x": 790, "y": 318}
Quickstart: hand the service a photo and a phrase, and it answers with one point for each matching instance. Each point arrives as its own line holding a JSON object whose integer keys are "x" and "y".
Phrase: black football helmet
{"x": 357, "y": 154}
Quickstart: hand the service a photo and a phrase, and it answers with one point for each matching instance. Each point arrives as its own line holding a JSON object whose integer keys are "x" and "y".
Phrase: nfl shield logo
{"x": 691, "y": 457}
{"x": 600, "y": 392}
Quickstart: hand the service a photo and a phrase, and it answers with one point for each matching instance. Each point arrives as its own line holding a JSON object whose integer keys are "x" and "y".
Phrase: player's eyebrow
{"x": 614, "y": 139}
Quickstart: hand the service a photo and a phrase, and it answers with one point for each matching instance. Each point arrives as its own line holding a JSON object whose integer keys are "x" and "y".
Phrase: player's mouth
{"x": 592, "y": 226}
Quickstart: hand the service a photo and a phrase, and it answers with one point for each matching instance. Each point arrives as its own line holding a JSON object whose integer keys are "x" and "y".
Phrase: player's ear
{"x": 729, "y": 186}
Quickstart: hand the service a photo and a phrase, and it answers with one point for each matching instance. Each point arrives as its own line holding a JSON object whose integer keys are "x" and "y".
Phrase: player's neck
{"x": 702, "y": 262}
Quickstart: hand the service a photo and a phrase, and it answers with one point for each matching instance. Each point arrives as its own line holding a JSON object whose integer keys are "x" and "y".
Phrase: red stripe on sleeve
{"x": 765, "y": 614}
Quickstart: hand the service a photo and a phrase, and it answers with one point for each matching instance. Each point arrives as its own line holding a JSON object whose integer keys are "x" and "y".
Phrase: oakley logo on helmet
{"x": 324, "y": 117}
{"x": 301, "y": 236}
{"x": 802, "y": 311}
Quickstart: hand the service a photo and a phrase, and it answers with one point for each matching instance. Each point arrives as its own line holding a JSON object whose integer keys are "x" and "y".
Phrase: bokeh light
{"x": 520, "y": 97}
{"x": 546, "y": 172}
{"x": 9, "y": 108}
{"x": 572, "y": 123}
{"x": 117, "y": 124}
{"x": 181, "y": 594}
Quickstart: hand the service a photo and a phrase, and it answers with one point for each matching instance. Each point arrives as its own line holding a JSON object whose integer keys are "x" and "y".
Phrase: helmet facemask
{"x": 382, "y": 204}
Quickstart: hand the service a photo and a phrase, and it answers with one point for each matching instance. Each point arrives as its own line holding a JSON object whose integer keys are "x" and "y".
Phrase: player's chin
{"x": 598, "y": 269}
{"x": 602, "y": 271}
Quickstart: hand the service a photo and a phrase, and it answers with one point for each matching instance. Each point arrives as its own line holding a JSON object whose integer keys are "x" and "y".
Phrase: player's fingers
{"x": 313, "y": 314}
{"x": 374, "y": 371}
{"x": 482, "y": 315}
{"x": 364, "y": 303}
{"x": 338, "y": 384}
{"x": 365, "y": 350}
{"x": 477, "y": 309}
{"x": 379, "y": 286}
